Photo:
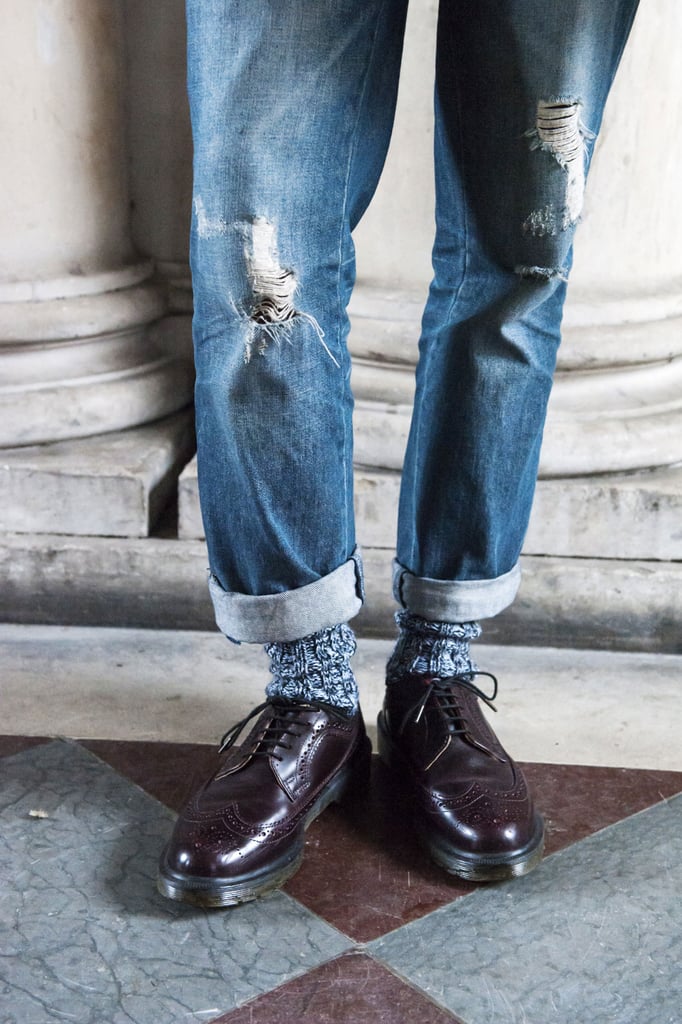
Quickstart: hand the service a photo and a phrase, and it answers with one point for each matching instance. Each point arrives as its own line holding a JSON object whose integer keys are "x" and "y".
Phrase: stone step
{"x": 621, "y": 516}
{"x": 190, "y": 526}
{"x": 633, "y": 515}
{"x": 112, "y": 485}
{"x": 161, "y": 583}
{"x": 172, "y": 685}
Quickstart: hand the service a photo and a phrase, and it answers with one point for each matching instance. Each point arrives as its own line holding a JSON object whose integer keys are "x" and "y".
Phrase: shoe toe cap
{"x": 484, "y": 824}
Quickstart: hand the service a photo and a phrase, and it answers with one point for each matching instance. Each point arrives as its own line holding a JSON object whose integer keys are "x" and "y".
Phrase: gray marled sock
{"x": 316, "y": 667}
{"x": 431, "y": 648}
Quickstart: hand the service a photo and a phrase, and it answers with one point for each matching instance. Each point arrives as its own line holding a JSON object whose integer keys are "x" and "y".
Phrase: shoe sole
{"x": 482, "y": 868}
{"x": 210, "y": 892}
{"x": 473, "y": 867}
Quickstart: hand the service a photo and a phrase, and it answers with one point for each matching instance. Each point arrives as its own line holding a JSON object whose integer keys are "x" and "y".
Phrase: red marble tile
{"x": 364, "y": 870}
{"x": 167, "y": 771}
{"x": 353, "y": 989}
{"x": 578, "y": 800}
{"x": 15, "y": 744}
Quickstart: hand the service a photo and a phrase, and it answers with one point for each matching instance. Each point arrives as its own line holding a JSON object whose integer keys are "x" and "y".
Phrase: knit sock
{"x": 316, "y": 667}
{"x": 431, "y": 648}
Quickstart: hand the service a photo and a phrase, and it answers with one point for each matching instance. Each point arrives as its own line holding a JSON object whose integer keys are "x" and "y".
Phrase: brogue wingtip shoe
{"x": 242, "y": 833}
{"x": 472, "y": 809}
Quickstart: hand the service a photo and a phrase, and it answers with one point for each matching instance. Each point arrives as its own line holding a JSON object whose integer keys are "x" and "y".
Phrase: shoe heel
{"x": 356, "y": 782}
{"x": 385, "y": 747}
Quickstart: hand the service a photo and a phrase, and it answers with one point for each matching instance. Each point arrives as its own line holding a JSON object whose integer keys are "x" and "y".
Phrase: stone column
{"x": 160, "y": 143}
{"x": 161, "y": 182}
{"x": 76, "y": 302}
{"x": 618, "y": 400}
{"x": 609, "y": 490}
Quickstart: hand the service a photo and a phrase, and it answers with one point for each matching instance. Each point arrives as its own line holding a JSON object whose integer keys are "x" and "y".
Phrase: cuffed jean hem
{"x": 277, "y": 618}
{"x": 453, "y": 600}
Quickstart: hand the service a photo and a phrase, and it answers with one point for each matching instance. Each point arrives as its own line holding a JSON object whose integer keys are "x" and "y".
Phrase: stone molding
{"x": 76, "y": 303}
{"x": 608, "y": 418}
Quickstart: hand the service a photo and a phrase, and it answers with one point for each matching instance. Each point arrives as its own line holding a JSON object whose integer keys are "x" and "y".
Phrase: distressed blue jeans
{"x": 292, "y": 105}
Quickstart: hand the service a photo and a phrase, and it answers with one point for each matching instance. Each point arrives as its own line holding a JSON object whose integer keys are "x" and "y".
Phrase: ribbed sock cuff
{"x": 431, "y": 648}
{"x": 316, "y": 667}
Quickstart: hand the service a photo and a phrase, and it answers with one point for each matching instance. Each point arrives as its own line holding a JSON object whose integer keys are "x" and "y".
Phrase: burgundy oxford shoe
{"x": 472, "y": 808}
{"x": 242, "y": 833}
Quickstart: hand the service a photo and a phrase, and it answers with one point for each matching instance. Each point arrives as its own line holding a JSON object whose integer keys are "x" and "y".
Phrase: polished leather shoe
{"x": 472, "y": 808}
{"x": 242, "y": 833}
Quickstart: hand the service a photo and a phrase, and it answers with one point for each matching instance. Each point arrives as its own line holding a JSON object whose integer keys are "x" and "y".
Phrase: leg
{"x": 292, "y": 107}
{"x": 520, "y": 91}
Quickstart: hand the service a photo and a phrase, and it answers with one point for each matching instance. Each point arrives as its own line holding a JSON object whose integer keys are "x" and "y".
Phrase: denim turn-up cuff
{"x": 292, "y": 614}
{"x": 454, "y": 600}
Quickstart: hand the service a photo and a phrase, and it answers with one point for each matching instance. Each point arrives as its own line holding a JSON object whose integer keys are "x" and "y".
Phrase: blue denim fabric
{"x": 292, "y": 107}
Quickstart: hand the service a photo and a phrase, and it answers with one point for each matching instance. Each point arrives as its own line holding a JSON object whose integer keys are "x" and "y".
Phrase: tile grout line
{"x": 70, "y": 747}
{"x": 355, "y": 949}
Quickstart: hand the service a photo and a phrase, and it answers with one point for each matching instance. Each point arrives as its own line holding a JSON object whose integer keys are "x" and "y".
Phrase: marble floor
{"x": 368, "y": 930}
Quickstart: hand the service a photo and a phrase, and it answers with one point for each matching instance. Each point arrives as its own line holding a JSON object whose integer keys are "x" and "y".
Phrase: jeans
{"x": 292, "y": 106}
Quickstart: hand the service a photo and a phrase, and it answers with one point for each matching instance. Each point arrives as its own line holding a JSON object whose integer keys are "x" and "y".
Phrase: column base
{"x": 602, "y": 418}
{"x": 74, "y": 365}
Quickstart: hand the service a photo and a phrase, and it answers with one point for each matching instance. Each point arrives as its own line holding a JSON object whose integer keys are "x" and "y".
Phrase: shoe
{"x": 472, "y": 808}
{"x": 242, "y": 833}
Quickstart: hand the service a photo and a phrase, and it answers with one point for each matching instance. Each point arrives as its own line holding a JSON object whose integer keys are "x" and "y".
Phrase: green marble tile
{"x": 83, "y": 934}
{"x": 593, "y": 936}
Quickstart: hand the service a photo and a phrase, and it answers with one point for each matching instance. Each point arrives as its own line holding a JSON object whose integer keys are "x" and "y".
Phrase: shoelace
{"x": 287, "y": 714}
{"x": 442, "y": 689}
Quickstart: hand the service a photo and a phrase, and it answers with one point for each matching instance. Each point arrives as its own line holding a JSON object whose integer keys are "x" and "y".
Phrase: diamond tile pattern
{"x": 354, "y": 989}
{"x": 382, "y": 879}
{"x": 590, "y": 935}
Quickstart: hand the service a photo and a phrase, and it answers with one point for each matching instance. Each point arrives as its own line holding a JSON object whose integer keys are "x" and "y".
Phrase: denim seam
{"x": 348, "y": 431}
{"x": 453, "y": 303}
